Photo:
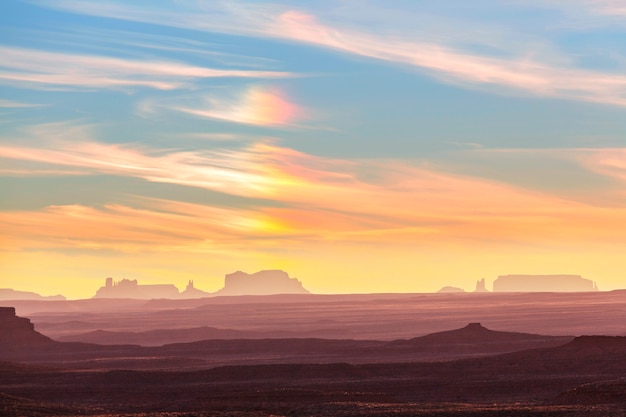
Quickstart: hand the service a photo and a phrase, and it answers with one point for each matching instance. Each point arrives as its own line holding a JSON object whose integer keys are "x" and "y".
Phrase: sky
{"x": 361, "y": 146}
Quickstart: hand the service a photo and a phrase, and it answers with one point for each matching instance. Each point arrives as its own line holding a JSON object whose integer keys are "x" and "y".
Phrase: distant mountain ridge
{"x": 475, "y": 332}
{"x": 476, "y": 339}
{"x": 160, "y": 337}
{"x": 11, "y": 294}
{"x": 156, "y": 337}
{"x": 472, "y": 340}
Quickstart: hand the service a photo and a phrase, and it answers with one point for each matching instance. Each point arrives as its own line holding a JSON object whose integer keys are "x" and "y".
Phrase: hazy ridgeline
{"x": 373, "y": 316}
{"x": 468, "y": 371}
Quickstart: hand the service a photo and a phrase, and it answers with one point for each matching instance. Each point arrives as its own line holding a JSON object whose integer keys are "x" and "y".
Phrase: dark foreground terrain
{"x": 585, "y": 377}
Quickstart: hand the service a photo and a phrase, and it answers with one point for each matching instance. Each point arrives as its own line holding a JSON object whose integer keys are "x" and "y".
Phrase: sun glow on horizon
{"x": 390, "y": 149}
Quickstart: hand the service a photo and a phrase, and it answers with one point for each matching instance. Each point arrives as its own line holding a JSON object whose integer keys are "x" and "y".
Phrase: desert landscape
{"x": 262, "y": 208}
{"x": 526, "y": 354}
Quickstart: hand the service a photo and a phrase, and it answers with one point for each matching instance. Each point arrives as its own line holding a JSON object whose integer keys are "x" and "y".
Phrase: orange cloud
{"x": 407, "y": 229}
{"x": 157, "y": 226}
{"x": 322, "y": 200}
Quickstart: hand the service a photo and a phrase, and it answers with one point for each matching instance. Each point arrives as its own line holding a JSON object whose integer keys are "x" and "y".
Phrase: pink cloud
{"x": 608, "y": 7}
{"x": 255, "y": 106}
{"x": 524, "y": 73}
{"x": 609, "y": 161}
{"x": 33, "y": 68}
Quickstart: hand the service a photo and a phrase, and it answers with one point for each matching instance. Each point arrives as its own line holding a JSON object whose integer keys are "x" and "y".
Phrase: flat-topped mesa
{"x": 266, "y": 282}
{"x": 606, "y": 344}
{"x": 131, "y": 289}
{"x": 450, "y": 290}
{"x": 18, "y": 332}
{"x": 543, "y": 283}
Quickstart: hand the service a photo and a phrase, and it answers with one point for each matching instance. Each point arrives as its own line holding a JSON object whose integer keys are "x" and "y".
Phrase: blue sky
{"x": 305, "y": 135}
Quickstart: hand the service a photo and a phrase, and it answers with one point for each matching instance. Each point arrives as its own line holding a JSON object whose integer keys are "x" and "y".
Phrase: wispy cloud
{"x": 158, "y": 225}
{"x": 218, "y": 137}
{"x": 606, "y": 7}
{"x": 220, "y": 170}
{"x": 256, "y": 105}
{"x": 581, "y": 14}
{"x": 9, "y": 104}
{"x": 522, "y": 73}
{"x": 321, "y": 199}
{"x": 39, "y": 69}
{"x": 609, "y": 162}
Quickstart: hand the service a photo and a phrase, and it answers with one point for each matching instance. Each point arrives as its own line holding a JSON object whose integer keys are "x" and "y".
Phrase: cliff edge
{"x": 18, "y": 332}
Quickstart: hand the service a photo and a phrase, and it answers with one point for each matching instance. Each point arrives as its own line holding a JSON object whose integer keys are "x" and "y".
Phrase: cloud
{"x": 219, "y": 170}
{"x": 606, "y": 7}
{"x": 522, "y": 73}
{"x": 218, "y": 137}
{"x": 609, "y": 162}
{"x": 344, "y": 200}
{"x": 256, "y": 105}
{"x": 9, "y": 104}
{"x": 158, "y": 225}
{"x": 38, "y": 69}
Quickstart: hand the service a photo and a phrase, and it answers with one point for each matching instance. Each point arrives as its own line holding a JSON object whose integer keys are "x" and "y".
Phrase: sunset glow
{"x": 389, "y": 150}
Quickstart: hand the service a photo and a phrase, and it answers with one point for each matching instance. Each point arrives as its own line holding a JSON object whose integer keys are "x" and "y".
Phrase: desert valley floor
{"x": 308, "y": 355}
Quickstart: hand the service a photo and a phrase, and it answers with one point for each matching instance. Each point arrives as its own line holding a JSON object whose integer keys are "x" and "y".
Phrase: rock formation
{"x": 18, "y": 332}
{"x": 261, "y": 283}
{"x": 480, "y": 286}
{"x": 10, "y": 294}
{"x": 476, "y": 339}
{"x": 192, "y": 292}
{"x": 267, "y": 282}
{"x": 543, "y": 283}
{"x": 448, "y": 289}
{"x": 131, "y": 289}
